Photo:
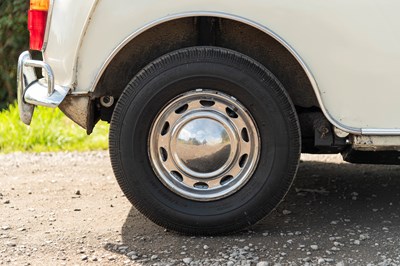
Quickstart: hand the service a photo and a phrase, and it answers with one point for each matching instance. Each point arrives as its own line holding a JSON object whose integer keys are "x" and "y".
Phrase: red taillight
{"x": 37, "y": 27}
{"x": 37, "y": 18}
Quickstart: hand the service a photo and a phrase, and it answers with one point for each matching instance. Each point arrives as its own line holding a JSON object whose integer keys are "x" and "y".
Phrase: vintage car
{"x": 212, "y": 102}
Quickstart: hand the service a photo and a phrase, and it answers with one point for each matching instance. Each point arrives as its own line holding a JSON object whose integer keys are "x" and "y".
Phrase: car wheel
{"x": 204, "y": 140}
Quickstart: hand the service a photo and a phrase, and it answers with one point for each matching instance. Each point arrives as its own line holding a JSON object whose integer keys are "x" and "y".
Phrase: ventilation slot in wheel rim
{"x": 226, "y": 180}
{"x": 164, "y": 154}
{"x": 182, "y": 109}
{"x": 177, "y": 175}
{"x": 243, "y": 160}
{"x": 207, "y": 103}
{"x": 165, "y": 129}
{"x": 231, "y": 113}
{"x": 201, "y": 185}
{"x": 245, "y": 135}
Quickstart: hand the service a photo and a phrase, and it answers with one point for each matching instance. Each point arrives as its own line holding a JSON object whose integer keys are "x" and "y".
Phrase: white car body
{"x": 348, "y": 49}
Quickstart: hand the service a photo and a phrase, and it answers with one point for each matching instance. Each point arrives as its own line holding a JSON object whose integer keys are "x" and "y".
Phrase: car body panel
{"x": 66, "y": 31}
{"x": 349, "y": 48}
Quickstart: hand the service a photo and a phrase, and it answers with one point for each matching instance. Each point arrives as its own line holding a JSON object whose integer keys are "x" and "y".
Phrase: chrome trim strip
{"x": 48, "y": 23}
{"x": 380, "y": 131}
{"x": 332, "y": 120}
{"x": 79, "y": 93}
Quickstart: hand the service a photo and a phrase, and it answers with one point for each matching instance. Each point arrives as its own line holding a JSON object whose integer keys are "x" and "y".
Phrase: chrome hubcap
{"x": 204, "y": 145}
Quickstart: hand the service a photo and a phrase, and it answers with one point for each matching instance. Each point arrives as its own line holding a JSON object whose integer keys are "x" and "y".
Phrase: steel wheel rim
{"x": 204, "y": 145}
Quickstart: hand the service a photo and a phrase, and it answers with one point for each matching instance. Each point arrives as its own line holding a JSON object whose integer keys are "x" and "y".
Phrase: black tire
{"x": 227, "y": 72}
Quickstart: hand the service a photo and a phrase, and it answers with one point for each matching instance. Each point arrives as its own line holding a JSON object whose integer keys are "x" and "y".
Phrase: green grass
{"x": 50, "y": 130}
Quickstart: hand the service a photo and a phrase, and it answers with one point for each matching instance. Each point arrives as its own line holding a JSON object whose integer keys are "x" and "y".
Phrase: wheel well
{"x": 212, "y": 31}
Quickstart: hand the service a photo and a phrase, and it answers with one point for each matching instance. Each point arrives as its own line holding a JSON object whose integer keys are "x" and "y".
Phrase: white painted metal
{"x": 68, "y": 24}
{"x": 350, "y": 47}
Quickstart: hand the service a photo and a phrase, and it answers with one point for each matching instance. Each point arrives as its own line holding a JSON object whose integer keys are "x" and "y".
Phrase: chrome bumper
{"x": 33, "y": 92}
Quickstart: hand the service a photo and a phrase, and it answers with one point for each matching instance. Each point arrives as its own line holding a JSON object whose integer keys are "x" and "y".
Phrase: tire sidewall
{"x": 255, "y": 88}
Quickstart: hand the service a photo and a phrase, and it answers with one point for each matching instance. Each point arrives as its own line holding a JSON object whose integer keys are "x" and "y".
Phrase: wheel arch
{"x": 214, "y": 29}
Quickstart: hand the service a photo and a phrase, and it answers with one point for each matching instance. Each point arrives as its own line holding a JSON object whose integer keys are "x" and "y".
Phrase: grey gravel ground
{"x": 66, "y": 208}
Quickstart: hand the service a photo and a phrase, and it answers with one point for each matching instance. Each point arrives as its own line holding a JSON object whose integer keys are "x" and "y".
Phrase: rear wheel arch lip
{"x": 237, "y": 18}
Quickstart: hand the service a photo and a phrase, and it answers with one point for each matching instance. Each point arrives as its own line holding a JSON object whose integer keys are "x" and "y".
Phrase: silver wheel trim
{"x": 204, "y": 145}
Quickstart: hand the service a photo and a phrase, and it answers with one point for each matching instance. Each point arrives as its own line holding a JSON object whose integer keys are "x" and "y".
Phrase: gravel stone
{"x": 187, "y": 260}
{"x": 5, "y": 227}
{"x": 11, "y": 244}
{"x": 131, "y": 253}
